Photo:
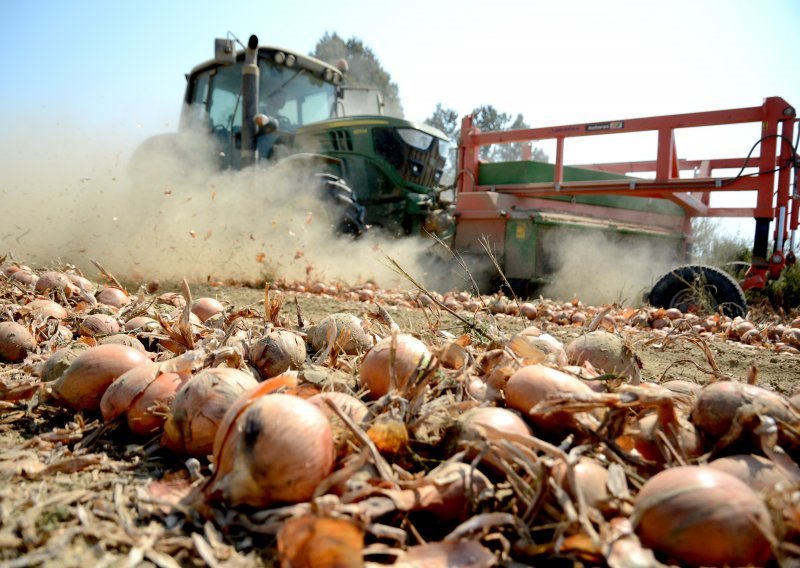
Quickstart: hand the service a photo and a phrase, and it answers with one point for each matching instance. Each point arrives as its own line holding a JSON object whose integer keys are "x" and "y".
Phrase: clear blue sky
{"x": 553, "y": 61}
{"x": 120, "y": 65}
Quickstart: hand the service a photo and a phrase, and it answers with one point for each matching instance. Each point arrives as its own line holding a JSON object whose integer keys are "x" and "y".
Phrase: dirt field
{"x": 73, "y": 495}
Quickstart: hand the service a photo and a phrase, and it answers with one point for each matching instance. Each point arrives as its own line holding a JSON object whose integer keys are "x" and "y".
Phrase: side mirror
{"x": 224, "y": 51}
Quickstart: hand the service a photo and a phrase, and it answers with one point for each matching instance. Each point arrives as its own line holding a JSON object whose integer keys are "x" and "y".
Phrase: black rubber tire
{"x": 351, "y": 214}
{"x": 680, "y": 287}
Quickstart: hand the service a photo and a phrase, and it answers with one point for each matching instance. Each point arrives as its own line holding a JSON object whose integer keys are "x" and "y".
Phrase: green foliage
{"x": 364, "y": 68}
{"x": 712, "y": 246}
{"x": 785, "y": 291}
{"x": 487, "y": 117}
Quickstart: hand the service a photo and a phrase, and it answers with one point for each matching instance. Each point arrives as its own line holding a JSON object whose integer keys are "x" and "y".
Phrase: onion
{"x": 347, "y": 330}
{"x": 448, "y": 554}
{"x": 52, "y": 280}
{"x": 718, "y": 403}
{"x": 138, "y": 394}
{"x": 455, "y": 488}
{"x": 356, "y": 410}
{"x": 83, "y": 384}
{"x": 44, "y": 309}
{"x": 320, "y": 542}
{"x": 60, "y": 360}
{"x": 757, "y": 472}
{"x": 278, "y": 450}
{"x": 644, "y": 437}
{"x": 98, "y": 324}
{"x": 15, "y": 342}
{"x": 700, "y": 516}
{"x": 122, "y": 339}
{"x": 24, "y": 276}
{"x": 198, "y": 408}
{"x": 276, "y": 352}
{"x": 605, "y": 351}
{"x": 142, "y": 324}
{"x": 205, "y": 308}
{"x": 591, "y": 477}
{"x": 533, "y": 384}
{"x": 411, "y": 357}
{"x": 80, "y": 282}
{"x": 113, "y": 297}
{"x": 470, "y": 429}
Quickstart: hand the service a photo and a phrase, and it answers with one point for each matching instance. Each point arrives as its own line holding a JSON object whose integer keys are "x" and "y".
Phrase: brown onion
{"x": 645, "y": 437}
{"x": 142, "y": 324}
{"x": 122, "y": 339}
{"x": 138, "y": 394}
{"x": 277, "y": 451}
{"x": 411, "y": 356}
{"x": 605, "y": 351}
{"x": 347, "y": 330}
{"x": 85, "y": 381}
{"x": 756, "y": 471}
{"x": 533, "y": 384}
{"x": 52, "y": 280}
{"x": 205, "y": 308}
{"x": 15, "y": 342}
{"x": 113, "y": 297}
{"x": 60, "y": 360}
{"x": 98, "y": 324}
{"x": 718, "y": 403}
{"x": 591, "y": 477}
{"x": 276, "y": 352}
{"x": 44, "y": 309}
{"x": 198, "y": 408}
{"x": 700, "y": 516}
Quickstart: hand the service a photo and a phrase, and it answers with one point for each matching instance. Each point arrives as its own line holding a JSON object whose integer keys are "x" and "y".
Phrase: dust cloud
{"x": 165, "y": 212}
{"x": 598, "y": 269}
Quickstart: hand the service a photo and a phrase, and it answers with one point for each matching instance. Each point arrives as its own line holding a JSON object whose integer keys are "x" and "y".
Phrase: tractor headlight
{"x": 415, "y": 138}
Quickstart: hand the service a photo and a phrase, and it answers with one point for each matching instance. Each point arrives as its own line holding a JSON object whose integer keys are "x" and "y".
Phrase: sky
{"x": 112, "y": 73}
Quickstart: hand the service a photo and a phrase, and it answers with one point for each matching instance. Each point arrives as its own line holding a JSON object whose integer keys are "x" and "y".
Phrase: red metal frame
{"x": 774, "y": 198}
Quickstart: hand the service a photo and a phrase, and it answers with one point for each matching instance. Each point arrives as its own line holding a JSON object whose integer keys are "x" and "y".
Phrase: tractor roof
{"x": 315, "y": 66}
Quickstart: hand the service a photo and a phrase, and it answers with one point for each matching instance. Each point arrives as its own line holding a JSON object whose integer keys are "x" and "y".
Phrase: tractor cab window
{"x": 293, "y": 95}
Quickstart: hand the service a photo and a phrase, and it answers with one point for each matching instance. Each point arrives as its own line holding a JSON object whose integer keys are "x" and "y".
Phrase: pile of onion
{"x": 699, "y": 516}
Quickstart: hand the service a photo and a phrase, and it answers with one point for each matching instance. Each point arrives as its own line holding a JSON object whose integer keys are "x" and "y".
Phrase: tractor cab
{"x": 293, "y": 90}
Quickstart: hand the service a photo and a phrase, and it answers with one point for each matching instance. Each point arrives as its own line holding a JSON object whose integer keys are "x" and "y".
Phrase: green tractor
{"x": 265, "y": 105}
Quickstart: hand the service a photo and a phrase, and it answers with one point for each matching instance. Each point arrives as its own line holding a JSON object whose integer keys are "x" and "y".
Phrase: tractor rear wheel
{"x": 699, "y": 288}
{"x": 351, "y": 214}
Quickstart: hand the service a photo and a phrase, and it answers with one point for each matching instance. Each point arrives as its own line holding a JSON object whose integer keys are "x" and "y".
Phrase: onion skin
{"x": 277, "y": 451}
{"x": 198, "y": 408}
{"x": 533, "y": 384}
{"x": 699, "y": 516}
{"x": 83, "y": 384}
{"x": 278, "y": 351}
{"x": 15, "y": 342}
{"x": 411, "y": 355}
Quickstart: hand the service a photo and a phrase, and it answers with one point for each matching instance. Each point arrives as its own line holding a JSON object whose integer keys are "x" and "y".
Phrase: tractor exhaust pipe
{"x": 249, "y": 102}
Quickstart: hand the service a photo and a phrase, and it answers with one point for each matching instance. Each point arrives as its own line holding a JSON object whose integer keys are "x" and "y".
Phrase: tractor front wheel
{"x": 699, "y": 288}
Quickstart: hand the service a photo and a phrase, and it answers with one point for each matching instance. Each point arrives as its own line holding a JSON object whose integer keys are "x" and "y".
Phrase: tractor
{"x": 262, "y": 106}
